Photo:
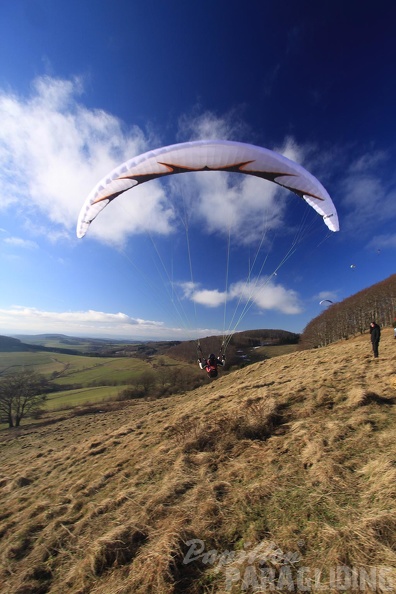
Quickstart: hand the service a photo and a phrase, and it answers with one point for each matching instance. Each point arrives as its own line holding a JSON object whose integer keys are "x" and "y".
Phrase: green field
{"x": 85, "y": 379}
{"x": 41, "y": 361}
{"x": 276, "y": 350}
{"x": 85, "y": 370}
{"x": 66, "y": 369}
{"x": 70, "y": 398}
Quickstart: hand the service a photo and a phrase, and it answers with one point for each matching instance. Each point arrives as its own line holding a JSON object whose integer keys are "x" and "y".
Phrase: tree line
{"x": 353, "y": 315}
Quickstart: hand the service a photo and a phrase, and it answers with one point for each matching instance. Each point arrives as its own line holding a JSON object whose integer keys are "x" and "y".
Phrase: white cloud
{"x": 221, "y": 203}
{"x": 53, "y": 150}
{"x": 323, "y": 295}
{"x": 210, "y": 298}
{"x": 292, "y": 150}
{"x": 262, "y": 292}
{"x": 30, "y": 320}
{"x": 267, "y": 295}
{"x": 20, "y": 243}
{"x": 383, "y": 241}
{"x": 207, "y": 297}
{"x": 207, "y": 125}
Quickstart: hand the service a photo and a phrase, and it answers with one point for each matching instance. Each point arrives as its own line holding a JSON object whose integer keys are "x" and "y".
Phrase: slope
{"x": 283, "y": 471}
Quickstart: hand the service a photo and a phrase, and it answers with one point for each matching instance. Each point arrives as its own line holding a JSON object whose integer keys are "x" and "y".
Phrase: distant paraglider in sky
{"x": 352, "y": 266}
{"x": 325, "y": 302}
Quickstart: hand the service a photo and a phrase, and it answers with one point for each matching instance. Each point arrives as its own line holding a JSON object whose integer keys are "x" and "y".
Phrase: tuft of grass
{"x": 116, "y": 548}
{"x": 258, "y": 418}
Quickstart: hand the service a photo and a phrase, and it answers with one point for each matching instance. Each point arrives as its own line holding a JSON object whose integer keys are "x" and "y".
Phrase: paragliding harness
{"x": 211, "y": 362}
{"x": 211, "y": 367}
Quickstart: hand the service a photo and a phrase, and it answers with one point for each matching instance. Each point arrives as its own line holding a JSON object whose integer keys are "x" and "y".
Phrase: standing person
{"x": 375, "y": 332}
{"x": 394, "y": 327}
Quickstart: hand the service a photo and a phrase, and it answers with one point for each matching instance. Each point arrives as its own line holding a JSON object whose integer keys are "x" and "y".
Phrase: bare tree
{"x": 148, "y": 380}
{"x": 21, "y": 393}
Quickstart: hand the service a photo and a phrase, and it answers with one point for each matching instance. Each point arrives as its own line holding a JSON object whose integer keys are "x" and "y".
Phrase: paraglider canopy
{"x": 208, "y": 155}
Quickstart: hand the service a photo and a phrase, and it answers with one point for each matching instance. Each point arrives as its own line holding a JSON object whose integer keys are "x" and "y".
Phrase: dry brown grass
{"x": 286, "y": 464}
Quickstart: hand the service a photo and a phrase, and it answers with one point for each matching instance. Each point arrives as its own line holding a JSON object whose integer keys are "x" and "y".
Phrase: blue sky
{"x": 88, "y": 84}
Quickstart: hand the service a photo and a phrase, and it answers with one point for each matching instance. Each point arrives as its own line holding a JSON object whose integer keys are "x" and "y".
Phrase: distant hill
{"x": 60, "y": 343}
{"x": 60, "y": 339}
{"x": 241, "y": 347}
{"x": 240, "y": 344}
{"x": 11, "y": 345}
{"x": 38, "y": 337}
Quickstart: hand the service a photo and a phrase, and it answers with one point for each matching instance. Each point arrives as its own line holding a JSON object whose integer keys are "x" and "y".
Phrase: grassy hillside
{"x": 282, "y": 471}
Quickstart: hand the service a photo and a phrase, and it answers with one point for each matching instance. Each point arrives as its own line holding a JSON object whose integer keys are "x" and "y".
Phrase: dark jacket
{"x": 375, "y": 332}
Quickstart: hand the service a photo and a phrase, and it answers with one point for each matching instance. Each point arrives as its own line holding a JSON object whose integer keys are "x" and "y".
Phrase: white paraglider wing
{"x": 208, "y": 155}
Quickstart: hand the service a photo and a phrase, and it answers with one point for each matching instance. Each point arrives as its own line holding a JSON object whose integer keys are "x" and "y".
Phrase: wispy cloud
{"x": 204, "y": 125}
{"x": 326, "y": 295}
{"x": 369, "y": 192}
{"x": 18, "y": 242}
{"x": 30, "y": 320}
{"x": 379, "y": 242}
